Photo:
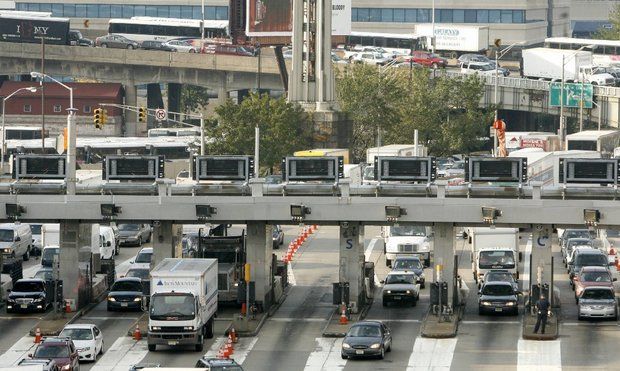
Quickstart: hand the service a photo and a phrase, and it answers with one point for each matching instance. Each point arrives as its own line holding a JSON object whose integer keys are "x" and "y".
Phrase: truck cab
{"x": 593, "y": 75}
{"x": 493, "y": 248}
{"x": 491, "y": 258}
{"x": 407, "y": 240}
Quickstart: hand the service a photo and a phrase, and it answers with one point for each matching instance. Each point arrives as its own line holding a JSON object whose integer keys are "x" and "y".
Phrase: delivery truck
{"x": 544, "y": 63}
{"x": 454, "y": 40}
{"x": 493, "y": 248}
{"x": 183, "y": 302}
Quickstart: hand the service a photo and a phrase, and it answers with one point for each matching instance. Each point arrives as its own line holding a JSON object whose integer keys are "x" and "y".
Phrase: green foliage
{"x": 445, "y": 111}
{"x": 284, "y": 128}
{"x": 193, "y": 98}
{"x": 612, "y": 33}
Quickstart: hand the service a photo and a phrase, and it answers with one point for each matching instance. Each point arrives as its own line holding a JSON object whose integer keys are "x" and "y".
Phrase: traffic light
{"x": 98, "y": 118}
{"x": 141, "y": 114}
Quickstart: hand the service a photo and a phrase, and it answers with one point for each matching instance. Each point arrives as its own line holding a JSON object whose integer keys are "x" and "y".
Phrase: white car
{"x": 143, "y": 259}
{"x": 87, "y": 338}
{"x": 183, "y": 46}
{"x": 376, "y": 59}
{"x": 480, "y": 68}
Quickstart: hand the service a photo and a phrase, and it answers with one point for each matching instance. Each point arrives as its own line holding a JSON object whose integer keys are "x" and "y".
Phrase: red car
{"x": 427, "y": 59}
{"x": 592, "y": 276}
{"x": 61, "y": 350}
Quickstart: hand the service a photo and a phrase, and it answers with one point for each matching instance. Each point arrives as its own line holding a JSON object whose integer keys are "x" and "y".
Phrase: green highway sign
{"x": 572, "y": 94}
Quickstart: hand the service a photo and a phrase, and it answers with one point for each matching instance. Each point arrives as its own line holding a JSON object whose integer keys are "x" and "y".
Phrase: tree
{"x": 612, "y": 33}
{"x": 193, "y": 98}
{"x": 284, "y": 128}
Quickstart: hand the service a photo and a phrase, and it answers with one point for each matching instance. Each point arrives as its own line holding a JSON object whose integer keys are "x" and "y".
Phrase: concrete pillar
{"x": 222, "y": 89}
{"x": 352, "y": 262}
{"x": 443, "y": 268}
{"x": 153, "y": 100}
{"x": 174, "y": 99}
{"x": 259, "y": 250}
{"x": 167, "y": 242}
{"x": 75, "y": 262}
{"x": 131, "y": 118}
{"x": 541, "y": 254}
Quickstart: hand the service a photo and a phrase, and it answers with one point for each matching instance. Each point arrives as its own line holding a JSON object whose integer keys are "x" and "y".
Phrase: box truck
{"x": 183, "y": 302}
{"x": 454, "y": 40}
{"x": 493, "y": 248}
{"x": 544, "y": 63}
{"x": 411, "y": 240}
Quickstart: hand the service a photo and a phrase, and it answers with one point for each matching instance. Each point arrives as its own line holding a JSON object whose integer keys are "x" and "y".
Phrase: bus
{"x": 163, "y": 29}
{"x": 401, "y": 44}
{"x": 532, "y": 139}
{"x": 322, "y": 152}
{"x": 21, "y": 27}
{"x": 24, "y": 132}
{"x": 605, "y": 52}
{"x": 173, "y": 132}
{"x": 603, "y": 141}
{"x": 544, "y": 166}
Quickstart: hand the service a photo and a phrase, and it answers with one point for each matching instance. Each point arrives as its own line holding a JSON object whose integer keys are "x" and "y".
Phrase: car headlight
{"x": 38, "y": 299}
{"x": 408, "y": 291}
{"x": 375, "y": 346}
{"x": 155, "y": 328}
{"x": 511, "y": 303}
{"x": 6, "y": 251}
{"x": 388, "y": 291}
{"x": 189, "y": 328}
{"x": 111, "y": 298}
{"x": 66, "y": 367}
{"x": 137, "y": 299}
{"x": 346, "y": 346}
{"x": 487, "y": 303}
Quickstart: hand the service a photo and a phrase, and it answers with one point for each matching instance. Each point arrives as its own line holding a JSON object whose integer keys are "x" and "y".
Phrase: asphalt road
{"x": 291, "y": 339}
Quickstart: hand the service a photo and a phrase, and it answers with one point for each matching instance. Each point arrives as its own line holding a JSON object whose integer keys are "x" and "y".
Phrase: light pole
{"x": 71, "y": 132}
{"x": 433, "y": 27}
{"x": 498, "y": 55}
{"x": 31, "y": 89}
{"x": 202, "y": 27}
{"x": 562, "y": 124}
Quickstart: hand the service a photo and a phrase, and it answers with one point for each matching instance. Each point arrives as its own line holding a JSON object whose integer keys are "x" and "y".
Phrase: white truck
{"x": 407, "y": 240}
{"x": 493, "y": 248}
{"x": 394, "y": 150}
{"x": 183, "y": 302}
{"x": 544, "y": 63}
{"x": 50, "y": 235}
{"x": 454, "y": 40}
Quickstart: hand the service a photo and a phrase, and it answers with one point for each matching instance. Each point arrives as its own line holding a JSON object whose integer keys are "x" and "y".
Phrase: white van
{"x": 16, "y": 240}
{"x": 107, "y": 242}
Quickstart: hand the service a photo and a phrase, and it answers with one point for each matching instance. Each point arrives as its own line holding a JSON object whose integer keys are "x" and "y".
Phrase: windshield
{"x": 144, "y": 257}
{"x": 126, "y": 286}
{"x": 496, "y": 259}
{"x": 48, "y": 254}
{"x": 486, "y": 67}
{"x": 408, "y": 230}
{"x": 595, "y": 277}
{"x": 579, "y": 242}
{"x": 407, "y": 264}
{"x": 77, "y": 333}
{"x": 400, "y": 278}
{"x": 172, "y": 307}
{"x": 584, "y": 260}
{"x": 35, "y": 228}
{"x": 365, "y": 331}
{"x": 597, "y": 294}
{"x": 579, "y": 233}
{"x": 128, "y": 227}
{"x": 54, "y": 351}
{"x": 499, "y": 276}
{"x": 497, "y": 290}
{"x": 28, "y": 287}
{"x": 140, "y": 273}
{"x": 6, "y": 235}
{"x": 44, "y": 275}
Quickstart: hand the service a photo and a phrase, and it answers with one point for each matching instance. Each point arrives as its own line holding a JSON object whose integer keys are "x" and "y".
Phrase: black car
{"x": 155, "y": 45}
{"x": 28, "y": 295}
{"x": 498, "y": 297}
{"x": 218, "y": 364}
{"x": 367, "y": 339}
{"x": 277, "y": 236}
{"x": 144, "y": 275}
{"x": 126, "y": 294}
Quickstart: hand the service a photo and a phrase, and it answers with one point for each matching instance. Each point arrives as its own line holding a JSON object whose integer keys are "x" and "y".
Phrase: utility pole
{"x": 42, "y": 96}
{"x": 562, "y": 128}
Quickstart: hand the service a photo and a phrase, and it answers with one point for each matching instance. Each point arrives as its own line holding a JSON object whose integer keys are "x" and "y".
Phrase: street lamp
{"x": 31, "y": 89}
{"x": 71, "y": 133}
{"x": 498, "y": 55}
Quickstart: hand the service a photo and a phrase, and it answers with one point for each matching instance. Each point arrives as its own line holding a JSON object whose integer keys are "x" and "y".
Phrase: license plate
{"x": 172, "y": 342}
{"x": 24, "y": 306}
{"x": 397, "y": 298}
{"x": 359, "y": 352}
{"x": 498, "y": 309}
{"x": 123, "y": 304}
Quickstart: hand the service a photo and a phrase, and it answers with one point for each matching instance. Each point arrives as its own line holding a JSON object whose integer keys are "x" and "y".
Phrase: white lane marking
{"x": 526, "y": 265}
{"x": 368, "y": 252}
{"x": 109, "y": 318}
{"x": 240, "y": 350}
{"x": 431, "y": 354}
{"x": 326, "y": 355}
{"x": 123, "y": 353}
{"x": 395, "y": 320}
{"x": 288, "y": 319}
{"x": 291, "y": 276}
{"x": 18, "y": 351}
{"x": 534, "y": 355}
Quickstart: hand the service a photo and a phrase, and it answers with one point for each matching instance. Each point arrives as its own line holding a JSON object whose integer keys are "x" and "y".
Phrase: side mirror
{"x": 17, "y": 239}
{"x": 108, "y": 244}
{"x": 614, "y": 279}
{"x": 29, "y": 355}
{"x": 131, "y": 262}
{"x": 382, "y": 282}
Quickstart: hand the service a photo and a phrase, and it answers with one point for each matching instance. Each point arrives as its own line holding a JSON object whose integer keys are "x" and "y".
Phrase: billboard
{"x": 275, "y": 17}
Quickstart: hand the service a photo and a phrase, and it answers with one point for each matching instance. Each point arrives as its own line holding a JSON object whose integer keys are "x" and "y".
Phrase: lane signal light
{"x": 98, "y": 118}
{"x": 141, "y": 114}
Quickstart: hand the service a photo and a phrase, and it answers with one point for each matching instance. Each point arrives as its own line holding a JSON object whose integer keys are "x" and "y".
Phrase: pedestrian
{"x": 544, "y": 309}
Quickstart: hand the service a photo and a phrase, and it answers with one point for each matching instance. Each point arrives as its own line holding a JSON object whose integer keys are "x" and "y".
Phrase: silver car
{"x": 598, "y": 302}
{"x": 401, "y": 287}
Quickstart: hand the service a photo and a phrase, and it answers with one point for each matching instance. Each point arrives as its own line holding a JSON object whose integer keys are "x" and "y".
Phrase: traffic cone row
{"x": 298, "y": 241}
{"x": 227, "y": 349}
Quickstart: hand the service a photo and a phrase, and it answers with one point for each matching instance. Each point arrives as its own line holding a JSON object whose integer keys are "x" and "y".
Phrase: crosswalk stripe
{"x": 326, "y": 356}
{"x": 123, "y": 353}
{"x": 431, "y": 354}
{"x": 534, "y": 355}
{"x": 18, "y": 351}
{"x": 241, "y": 349}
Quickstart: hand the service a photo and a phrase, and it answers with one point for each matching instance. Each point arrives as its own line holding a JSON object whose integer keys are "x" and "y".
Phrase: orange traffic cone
{"x": 233, "y": 335}
{"x": 37, "y": 336}
{"x": 343, "y": 315}
{"x": 220, "y": 353}
{"x": 243, "y": 309}
{"x": 67, "y": 307}
{"x": 617, "y": 263}
{"x": 229, "y": 346}
{"x": 137, "y": 335}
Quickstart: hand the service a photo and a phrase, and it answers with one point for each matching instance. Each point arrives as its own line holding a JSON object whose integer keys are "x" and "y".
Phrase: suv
{"x": 427, "y": 59}
{"x": 218, "y": 364}
{"x": 570, "y": 244}
{"x": 466, "y": 58}
{"x": 500, "y": 275}
{"x": 586, "y": 258}
{"x": 410, "y": 264}
{"x": 62, "y": 350}
{"x": 498, "y": 297}
{"x": 376, "y": 59}
{"x": 480, "y": 68}
{"x": 28, "y": 295}
{"x": 400, "y": 287}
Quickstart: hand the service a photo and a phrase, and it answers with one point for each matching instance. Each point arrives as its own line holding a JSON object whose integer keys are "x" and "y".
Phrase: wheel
{"x": 26, "y": 256}
{"x": 198, "y": 347}
{"x": 101, "y": 350}
{"x": 116, "y": 250}
{"x": 389, "y": 349}
{"x": 343, "y": 356}
{"x": 388, "y": 263}
{"x": 415, "y": 302}
{"x": 422, "y": 285}
{"x": 152, "y": 347}
{"x": 209, "y": 329}
{"x": 140, "y": 241}
{"x": 192, "y": 51}
{"x": 148, "y": 239}
{"x": 382, "y": 355}
{"x": 104, "y": 45}
{"x": 129, "y": 47}
{"x": 109, "y": 308}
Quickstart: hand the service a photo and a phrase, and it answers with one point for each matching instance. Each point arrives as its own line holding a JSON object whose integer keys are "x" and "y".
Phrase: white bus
{"x": 23, "y": 132}
{"x": 605, "y": 52}
{"x": 603, "y": 141}
{"x": 544, "y": 166}
{"x": 401, "y": 44}
{"x": 163, "y": 29}
{"x": 173, "y": 132}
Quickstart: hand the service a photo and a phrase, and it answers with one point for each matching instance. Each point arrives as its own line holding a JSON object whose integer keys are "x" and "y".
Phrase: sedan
{"x": 184, "y": 46}
{"x": 125, "y": 294}
{"x": 500, "y": 275}
{"x": 591, "y": 277}
{"x": 498, "y": 297}
{"x": 87, "y": 338}
{"x": 155, "y": 45}
{"x": 401, "y": 287}
{"x": 598, "y": 302}
{"x": 410, "y": 264}
{"x": 277, "y": 236}
{"x": 367, "y": 339}
{"x": 116, "y": 41}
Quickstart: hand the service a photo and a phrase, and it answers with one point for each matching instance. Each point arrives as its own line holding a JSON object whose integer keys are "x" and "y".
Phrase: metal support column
{"x": 259, "y": 250}
{"x": 443, "y": 261}
{"x": 352, "y": 262}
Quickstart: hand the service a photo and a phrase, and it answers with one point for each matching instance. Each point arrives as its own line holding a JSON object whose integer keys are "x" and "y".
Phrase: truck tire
{"x": 152, "y": 347}
{"x": 200, "y": 345}
{"x": 209, "y": 329}
{"x": 388, "y": 263}
{"x": 26, "y": 255}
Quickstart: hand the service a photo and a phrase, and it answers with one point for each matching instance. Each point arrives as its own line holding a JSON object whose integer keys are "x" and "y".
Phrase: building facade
{"x": 25, "y": 108}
